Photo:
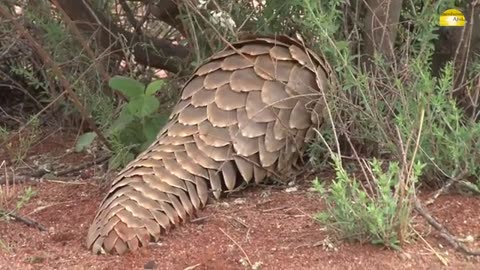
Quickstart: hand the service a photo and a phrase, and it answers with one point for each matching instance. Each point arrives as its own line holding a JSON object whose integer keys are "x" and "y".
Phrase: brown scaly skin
{"x": 244, "y": 115}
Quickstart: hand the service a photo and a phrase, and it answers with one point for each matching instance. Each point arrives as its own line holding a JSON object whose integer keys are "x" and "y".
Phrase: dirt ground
{"x": 268, "y": 228}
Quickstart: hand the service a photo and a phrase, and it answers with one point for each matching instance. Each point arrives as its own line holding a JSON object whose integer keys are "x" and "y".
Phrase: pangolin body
{"x": 243, "y": 116}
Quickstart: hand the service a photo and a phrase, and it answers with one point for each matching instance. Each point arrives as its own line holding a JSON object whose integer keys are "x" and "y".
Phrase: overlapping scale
{"x": 245, "y": 113}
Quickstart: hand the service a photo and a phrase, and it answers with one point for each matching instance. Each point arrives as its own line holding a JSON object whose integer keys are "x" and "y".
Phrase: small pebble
{"x": 291, "y": 189}
{"x": 240, "y": 201}
{"x": 150, "y": 265}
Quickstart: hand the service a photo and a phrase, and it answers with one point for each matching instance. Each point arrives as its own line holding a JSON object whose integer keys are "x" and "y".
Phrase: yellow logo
{"x": 452, "y": 17}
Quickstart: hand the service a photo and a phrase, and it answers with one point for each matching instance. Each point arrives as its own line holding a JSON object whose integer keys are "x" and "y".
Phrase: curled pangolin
{"x": 244, "y": 115}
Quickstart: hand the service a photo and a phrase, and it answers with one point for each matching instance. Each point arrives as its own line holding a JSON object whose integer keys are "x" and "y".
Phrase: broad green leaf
{"x": 129, "y": 87}
{"x": 132, "y": 135}
{"x": 84, "y": 141}
{"x": 124, "y": 118}
{"x": 153, "y": 87}
{"x": 152, "y": 126}
{"x": 143, "y": 106}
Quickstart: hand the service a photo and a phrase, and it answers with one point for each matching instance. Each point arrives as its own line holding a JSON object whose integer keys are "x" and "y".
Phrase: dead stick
{"x": 56, "y": 70}
{"x": 29, "y": 222}
{"x": 238, "y": 245}
{"x": 41, "y": 172}
{"x": 81, "y": 166}
{"x": 444, "y": 233}
{"x": 18, "y": 179}
{"x": 274, "y": 209}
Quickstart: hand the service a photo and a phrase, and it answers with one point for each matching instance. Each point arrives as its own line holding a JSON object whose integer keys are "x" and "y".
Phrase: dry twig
{"x": 444, "y": 233}
{"x": 27, "y": 221}
{"x": 238, "y": 245}
{"x": 41, "y": 172}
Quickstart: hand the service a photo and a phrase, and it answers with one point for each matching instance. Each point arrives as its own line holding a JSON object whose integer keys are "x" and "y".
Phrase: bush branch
{"x": 58, "y": 73}
{"x": 444, "y": 233}
{"x": 27, "y": 221}
{"x": 158, "y": 53}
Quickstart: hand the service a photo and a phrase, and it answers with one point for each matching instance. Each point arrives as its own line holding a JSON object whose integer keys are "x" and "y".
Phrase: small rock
{"x": 243, "y": 262}
{"x": 468, "y": 239}
{"x": 150, "y": 265}
{"x": 257, "y": 266}
{"x": 156, "y": 244}
{"x": 224, "y": 204}
{"x": 240, "y": 201}
{"x": 291, "y": 189}
{"x": 405, "y": 256}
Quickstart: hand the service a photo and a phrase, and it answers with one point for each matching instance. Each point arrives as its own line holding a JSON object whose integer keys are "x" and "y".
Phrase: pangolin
{"x": 243, "y": 116}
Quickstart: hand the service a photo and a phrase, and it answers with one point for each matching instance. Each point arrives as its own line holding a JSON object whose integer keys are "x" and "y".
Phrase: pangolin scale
{"x": 244, "y": 115}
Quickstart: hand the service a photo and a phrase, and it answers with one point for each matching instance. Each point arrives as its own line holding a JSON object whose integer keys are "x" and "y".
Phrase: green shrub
{"x": 401, "y": 112}
{"x": 137, "y": 124}
{"x": 380, "y": 213}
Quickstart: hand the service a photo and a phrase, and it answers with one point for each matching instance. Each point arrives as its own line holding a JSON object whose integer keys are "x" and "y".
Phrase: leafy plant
{"x": 8, "y": 193}
{"x": 374, "y": 214}
{"x": 25, "y": 197}
{"x": 380, "y": 111}
{"x": 19, "y": 147}
{"x": 3, "y": 134}
{"x": 138, "y": 122}
{"x": 5, "y": 246}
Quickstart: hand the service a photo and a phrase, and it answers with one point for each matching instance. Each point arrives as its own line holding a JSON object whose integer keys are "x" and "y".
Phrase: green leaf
{"x": 143, "y": 106}
{"x": 153, "y": 87}
{"x": 152, "y": 126}
{"x": 124, "y": 118}
{"x": 129, "y": 87}
{"x": 84, "y": 141}
{"x": 121, "y": 159}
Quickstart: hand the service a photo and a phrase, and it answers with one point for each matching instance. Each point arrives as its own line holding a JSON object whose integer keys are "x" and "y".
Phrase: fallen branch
{"x": 35, "y": 175}
{"x": 27, "y": 221}
{"x": 82, "y": 166}
{"x": 275, "y": 209}
{"x": 444, "y": 233}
